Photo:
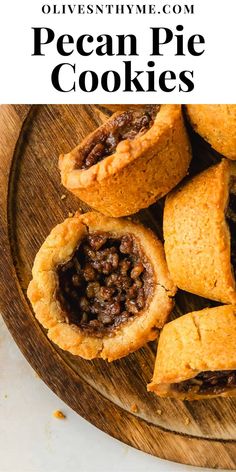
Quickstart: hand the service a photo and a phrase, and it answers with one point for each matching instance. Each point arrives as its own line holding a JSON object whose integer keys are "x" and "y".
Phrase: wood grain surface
{"x": 198, "y": 433}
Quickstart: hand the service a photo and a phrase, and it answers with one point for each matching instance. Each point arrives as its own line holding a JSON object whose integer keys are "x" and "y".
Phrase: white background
{"x": 27, "y": 79}
{"x": 31, "y": 440}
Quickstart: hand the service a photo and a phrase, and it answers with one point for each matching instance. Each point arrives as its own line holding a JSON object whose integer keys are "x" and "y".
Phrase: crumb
{"x": 36, "y": 375}
{"x": 134, "y": 408}
{"x": 187, "y": 421}
{"x": 70, "y": 214}
{"x": 59, "y": 415}
{"x": 5, "y": 396}
{"x": 159, "y": 412}
{"x": 63, "y": 197}
{"x": 79, "y": 212}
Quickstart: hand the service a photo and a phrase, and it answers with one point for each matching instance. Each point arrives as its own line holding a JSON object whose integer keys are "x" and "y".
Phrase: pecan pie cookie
{"x": 200, "y": 233}
{"x": 130, "y": 161}
{"x": 196, "y": 356}
{"x": 101, "y": 286}
{"x": 217, "y": 125}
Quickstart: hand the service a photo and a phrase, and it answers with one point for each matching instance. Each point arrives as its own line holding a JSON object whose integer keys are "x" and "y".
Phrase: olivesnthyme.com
{"x": 118, "y": 9}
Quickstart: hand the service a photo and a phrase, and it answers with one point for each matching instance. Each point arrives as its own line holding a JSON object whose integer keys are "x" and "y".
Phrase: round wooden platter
{"x": 198, "y": 433}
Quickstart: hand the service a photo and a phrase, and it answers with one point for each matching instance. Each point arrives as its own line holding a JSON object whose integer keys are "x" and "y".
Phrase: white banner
{"x": 169, "y": 51}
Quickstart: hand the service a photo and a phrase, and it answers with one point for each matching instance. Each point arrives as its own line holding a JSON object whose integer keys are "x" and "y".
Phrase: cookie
{"x": 199, "y": 233}
{"x": 196, "y": 356}
{"x": 101, "y": 286}
{"x": 217, "y": 125}
{"x": 133, "y": 159}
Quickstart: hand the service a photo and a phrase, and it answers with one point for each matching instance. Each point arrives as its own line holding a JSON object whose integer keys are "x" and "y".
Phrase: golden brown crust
{"x": 138, "y": 173}
{"x": 59, "y": 247}
{"x": 197, "y": 238}
{"x": 194, "y": 343}
{"x": 217, "y": 125}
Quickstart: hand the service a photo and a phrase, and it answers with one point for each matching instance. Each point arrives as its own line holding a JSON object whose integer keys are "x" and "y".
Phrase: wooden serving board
{"x": 199, "y": 433}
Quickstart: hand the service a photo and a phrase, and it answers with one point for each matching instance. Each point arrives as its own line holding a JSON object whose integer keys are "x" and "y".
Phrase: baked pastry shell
{"x": 197, "y": 237}
{"x": 140, "y": 171}
{"x": 58, "y": 248}
{"x": 199, "y": 341}
{"x": 217, "y": 125}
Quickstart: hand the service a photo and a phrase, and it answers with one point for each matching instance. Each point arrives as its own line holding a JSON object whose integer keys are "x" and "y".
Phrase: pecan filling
{"x": 231, "y": 220}
{"x": 107, "y": 282}
{"x": 209, "y": 382}
{"x": 127, "y": 125}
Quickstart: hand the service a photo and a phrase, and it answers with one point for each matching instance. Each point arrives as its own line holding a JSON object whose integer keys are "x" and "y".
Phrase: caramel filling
{"x": 107, "y": 282}
{"x": 209, "y": 382}
{"x": 126, "y": 125}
